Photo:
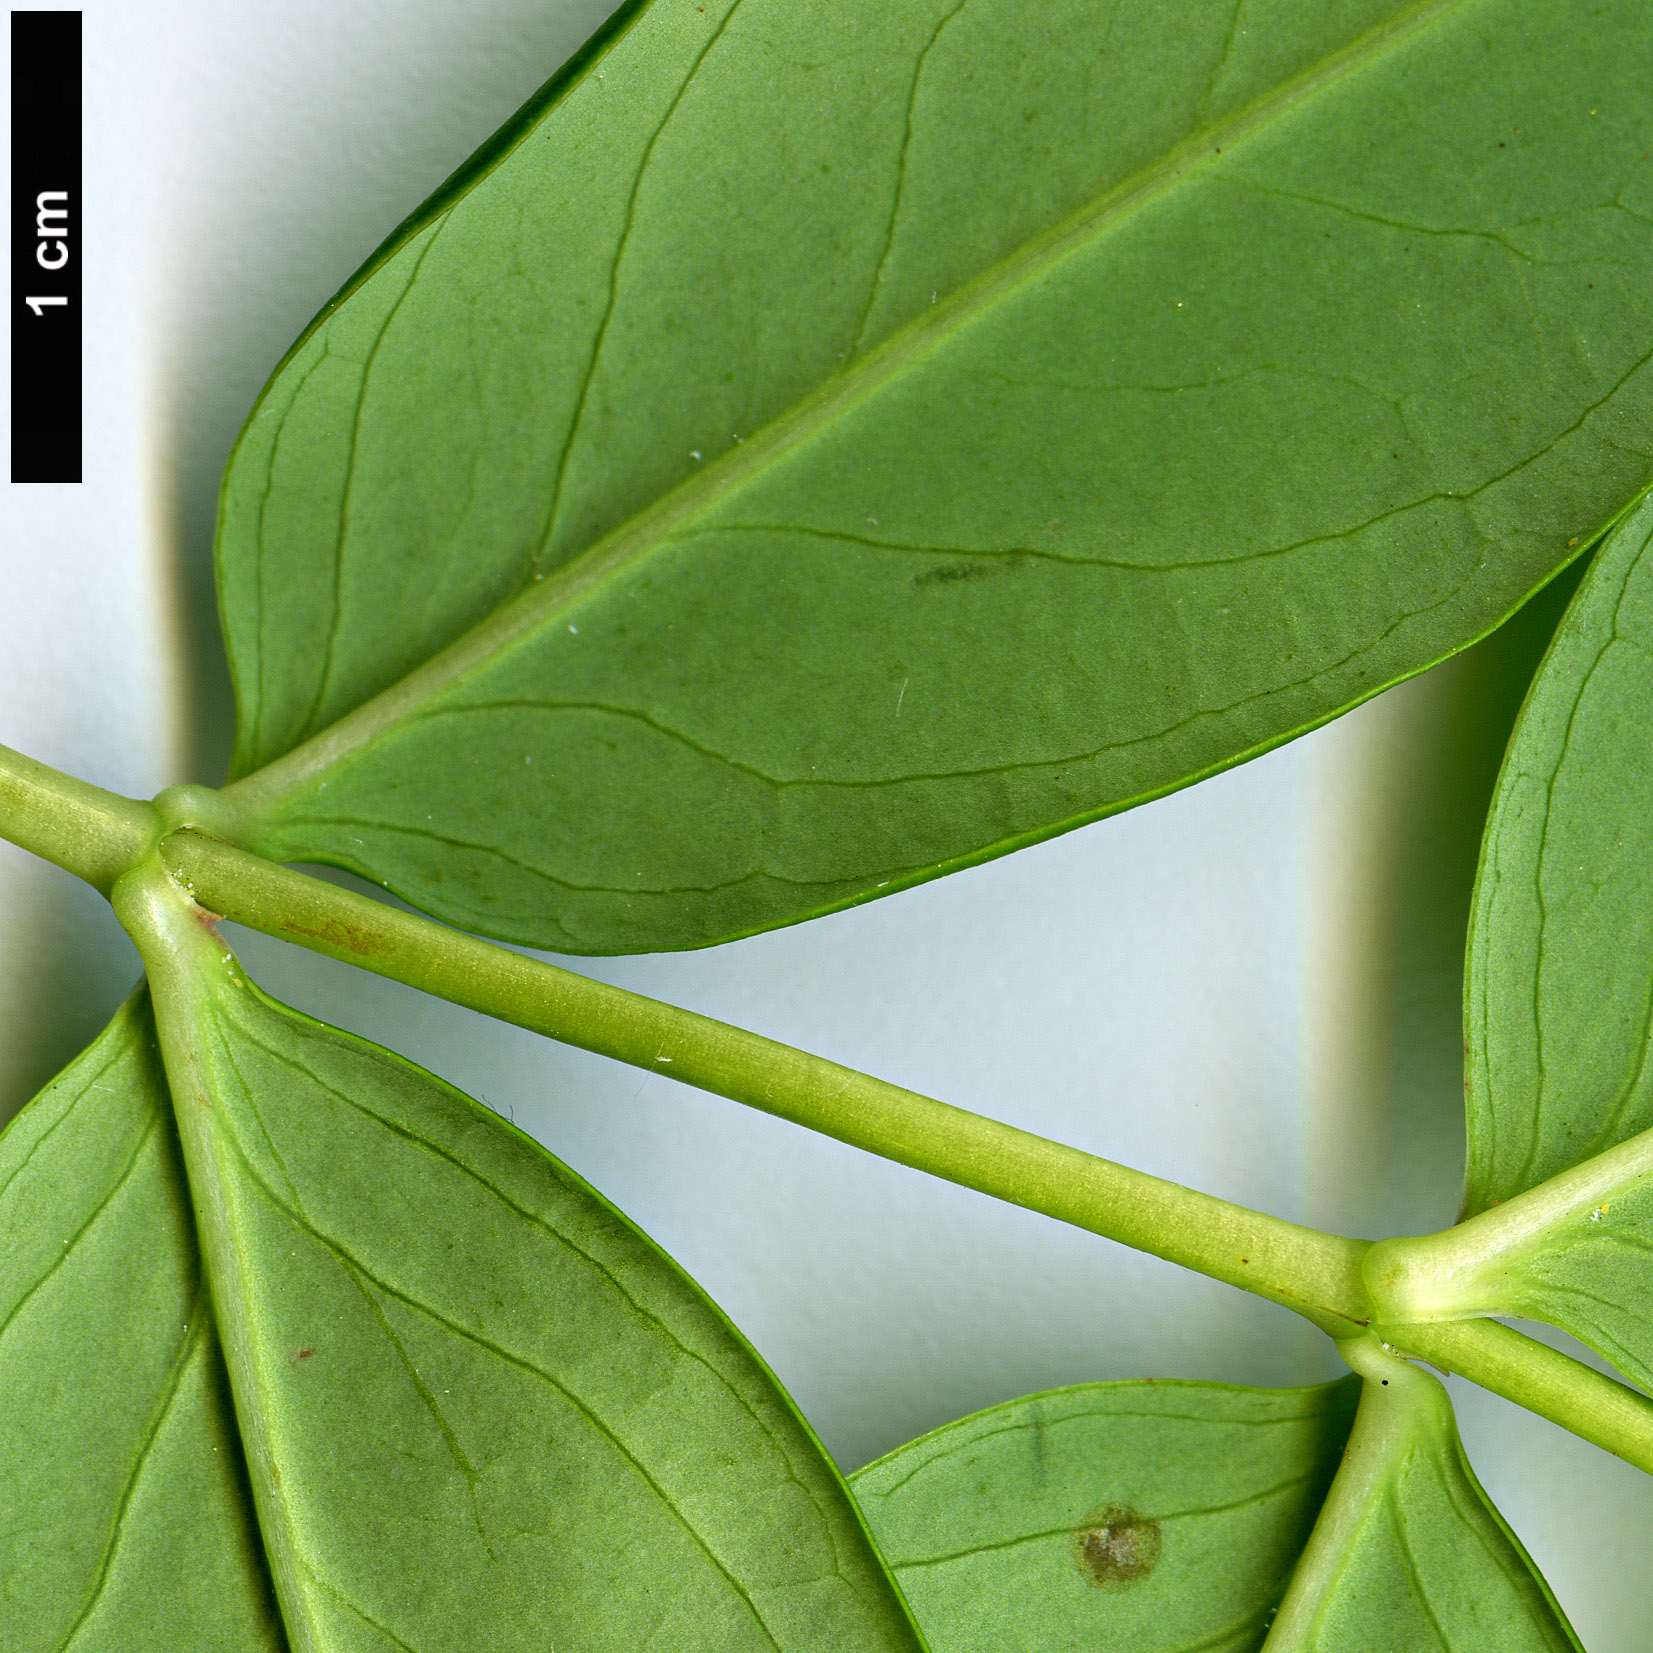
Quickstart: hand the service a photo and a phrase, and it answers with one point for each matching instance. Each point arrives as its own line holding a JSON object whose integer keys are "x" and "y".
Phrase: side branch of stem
{"x": 1608, "y": 1413}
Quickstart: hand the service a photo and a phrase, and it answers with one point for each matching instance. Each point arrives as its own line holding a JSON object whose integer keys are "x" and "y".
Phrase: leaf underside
{"x": 1409, "y": 1552}
{"x": 1560, "y": 986}
{"x": 1560, "y": 1000}
{"x": 837, "y": 444}
{"x": 1173, "y": 1517}
{"x": 813, "y": 450}
{"x": 1161, "y": 1517}
{"x": 127, "y": 1523}
{"x": 1590, "y": 1278}
{"x": 480, "y": 1410}
{"x": 444, "y": 1345}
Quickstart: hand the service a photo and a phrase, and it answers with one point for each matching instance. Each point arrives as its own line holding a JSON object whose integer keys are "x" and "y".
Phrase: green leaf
{"x": 1173, "y": 1517}
{"x": 1159, "y": 1517}
{"x": 1408, "y": 1552}
{"x": 1573, "y": 1252}
{"x": 125, "y": 1527}
{"x": 814, "y": 448}
{"x": 1560, "y": 988}
{"x": 1586, "y": 1271}
{"x": 481, "y": 1410}
{"x": 1560, "y": 1000}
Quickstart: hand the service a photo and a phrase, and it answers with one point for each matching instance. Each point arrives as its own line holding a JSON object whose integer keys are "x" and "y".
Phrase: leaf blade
{"x": 601, "y": 1458}
{"x": 1227, "y": 1480}
{"x": 1557, "y": 1095}
{"x": 111, "y": 1365}
{"x": 980, "y": 1521}
{"x": 882, "y": 725}
{"x": 1555, "y": 1062}
{"x": 1408, "y": 1550}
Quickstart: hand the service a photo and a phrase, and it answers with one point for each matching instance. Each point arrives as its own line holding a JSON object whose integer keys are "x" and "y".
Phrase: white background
{"x": 1250, "y": 987}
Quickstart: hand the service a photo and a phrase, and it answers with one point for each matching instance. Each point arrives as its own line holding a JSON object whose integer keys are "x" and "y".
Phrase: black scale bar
{"x": 45, "y": 246}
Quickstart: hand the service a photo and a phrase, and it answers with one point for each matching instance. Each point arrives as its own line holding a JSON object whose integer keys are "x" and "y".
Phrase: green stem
{"x": 1316, "y": 1274}
{"x": 1532, "y": 1374}
{"x": 100, "y": 836}
{"x": 1466, "y": 1270}
{"x": 1313, "y": 1273}
{"x": 94, "y": 834}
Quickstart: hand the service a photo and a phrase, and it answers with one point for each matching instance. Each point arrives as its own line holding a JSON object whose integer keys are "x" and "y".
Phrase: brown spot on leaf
{"x": 303, "y": 1355}
{"x": 1117, "y": 1547}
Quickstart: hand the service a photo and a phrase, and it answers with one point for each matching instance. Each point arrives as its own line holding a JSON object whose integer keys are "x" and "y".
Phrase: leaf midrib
{"x": 650, "y": 529}
{"x": 588, "y": 1409}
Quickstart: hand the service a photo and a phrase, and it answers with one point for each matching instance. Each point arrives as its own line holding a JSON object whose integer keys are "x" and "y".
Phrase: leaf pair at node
{"x": 474, "y": 1407}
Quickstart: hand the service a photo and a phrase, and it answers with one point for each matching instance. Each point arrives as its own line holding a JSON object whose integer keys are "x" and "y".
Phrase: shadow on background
{"x": 60, "y": 999}
{"x": 338, "y": 122}
{"x": 1439, "y": 749}
{"x": 279, "y": 148}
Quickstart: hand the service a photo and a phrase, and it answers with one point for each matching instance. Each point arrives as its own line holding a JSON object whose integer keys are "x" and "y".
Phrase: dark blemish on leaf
{"x": 952, "y": 572}
{"x": 1117, "y": 1547}
{"x": 351, "y": 938}
{"x": 303, "y": 1355}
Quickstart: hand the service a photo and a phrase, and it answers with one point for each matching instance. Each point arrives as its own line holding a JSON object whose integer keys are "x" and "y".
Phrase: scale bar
{"x": 45, "y": 246}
